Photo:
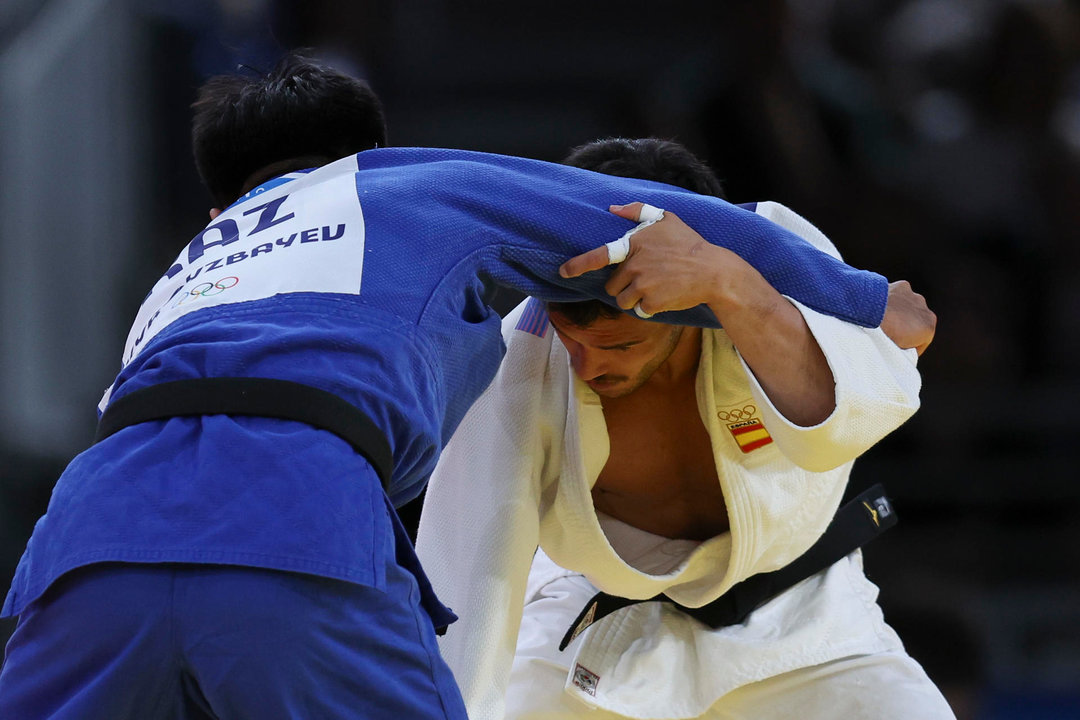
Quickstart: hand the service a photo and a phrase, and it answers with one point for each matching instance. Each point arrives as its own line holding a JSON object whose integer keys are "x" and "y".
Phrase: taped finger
{"x": 617, "y": 250}
{"x": 650, "y": 214}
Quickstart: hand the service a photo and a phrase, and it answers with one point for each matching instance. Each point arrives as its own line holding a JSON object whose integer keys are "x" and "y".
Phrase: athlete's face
{"x": 618, "y": 355}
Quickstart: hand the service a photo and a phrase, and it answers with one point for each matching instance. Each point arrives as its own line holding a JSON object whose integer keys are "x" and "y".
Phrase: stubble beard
{"x": 619, "y": 390}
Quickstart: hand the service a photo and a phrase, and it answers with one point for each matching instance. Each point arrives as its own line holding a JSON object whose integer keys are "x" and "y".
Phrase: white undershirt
{"x": 644, "y": 551}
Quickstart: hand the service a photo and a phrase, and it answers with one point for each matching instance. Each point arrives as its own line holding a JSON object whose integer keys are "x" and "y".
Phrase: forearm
{"x": 775, "y": 342}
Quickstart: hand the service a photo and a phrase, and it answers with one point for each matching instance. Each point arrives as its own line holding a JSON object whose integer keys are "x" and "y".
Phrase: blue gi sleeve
{"x": 527, "y": 217}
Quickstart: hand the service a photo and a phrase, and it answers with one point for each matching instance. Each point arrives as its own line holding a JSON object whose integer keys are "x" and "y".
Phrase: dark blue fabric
{"x": 412, "y": 349}
{"x": 187, "y": 642}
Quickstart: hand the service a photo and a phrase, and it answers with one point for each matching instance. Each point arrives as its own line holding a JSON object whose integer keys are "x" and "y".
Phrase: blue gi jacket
{"x": 369, "y": 278}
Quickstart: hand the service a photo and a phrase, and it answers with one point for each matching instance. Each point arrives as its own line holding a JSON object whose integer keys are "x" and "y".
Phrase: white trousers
{"x": 882, "y": 682}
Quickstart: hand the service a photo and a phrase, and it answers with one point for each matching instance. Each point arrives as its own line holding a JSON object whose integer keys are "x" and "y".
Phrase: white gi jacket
{"x": 519, "y": 470}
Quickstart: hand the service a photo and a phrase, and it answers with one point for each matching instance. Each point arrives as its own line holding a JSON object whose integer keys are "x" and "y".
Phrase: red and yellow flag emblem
{"x": 750, "y": 435}
{"x": 749, "y": 432}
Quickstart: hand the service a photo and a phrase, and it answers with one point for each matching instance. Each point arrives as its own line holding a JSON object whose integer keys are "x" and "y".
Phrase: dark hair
{"x": 300, "y": 110}
{"x": 664, "y": 161}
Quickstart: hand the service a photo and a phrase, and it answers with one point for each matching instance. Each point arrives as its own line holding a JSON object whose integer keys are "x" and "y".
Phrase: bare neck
{"x": 682, "y": 365}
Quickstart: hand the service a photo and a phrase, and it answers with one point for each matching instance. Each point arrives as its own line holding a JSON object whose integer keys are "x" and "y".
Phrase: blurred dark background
{"x": 932, "y": 140}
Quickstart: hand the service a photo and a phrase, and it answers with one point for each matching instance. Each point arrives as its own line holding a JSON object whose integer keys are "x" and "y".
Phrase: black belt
{"x": 261, "y": 397}
{"x": 855, "y": 524}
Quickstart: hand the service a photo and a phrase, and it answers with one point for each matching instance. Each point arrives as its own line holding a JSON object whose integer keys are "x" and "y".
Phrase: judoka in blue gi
{"x": 229, "y": 547}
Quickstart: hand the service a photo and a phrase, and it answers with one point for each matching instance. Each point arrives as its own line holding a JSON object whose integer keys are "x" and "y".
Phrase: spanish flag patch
{"x": 750, "y": 434}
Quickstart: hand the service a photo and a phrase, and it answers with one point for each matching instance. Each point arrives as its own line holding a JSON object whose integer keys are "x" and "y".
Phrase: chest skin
{"x": 660, "y": 475}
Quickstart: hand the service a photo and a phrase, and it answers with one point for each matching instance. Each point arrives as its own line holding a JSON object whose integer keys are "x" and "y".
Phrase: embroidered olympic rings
{"x": 737, "y": 415}
{"x": 208, "y": 289}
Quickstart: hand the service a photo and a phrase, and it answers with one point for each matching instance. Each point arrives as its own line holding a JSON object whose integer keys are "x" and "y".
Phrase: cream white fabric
{"x": 519, "y": 470}
{"x": 820, "y": 651}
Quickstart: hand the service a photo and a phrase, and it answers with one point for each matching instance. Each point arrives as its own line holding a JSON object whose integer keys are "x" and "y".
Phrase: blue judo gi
{"x": 234, "y": 566}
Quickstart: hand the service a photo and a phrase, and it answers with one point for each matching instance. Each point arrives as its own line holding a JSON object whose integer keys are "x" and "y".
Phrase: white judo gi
{"x": 518, "y": 473}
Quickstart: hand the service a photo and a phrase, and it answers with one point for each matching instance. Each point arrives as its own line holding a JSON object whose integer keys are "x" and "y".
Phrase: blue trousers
{"x": 142, "y": 642}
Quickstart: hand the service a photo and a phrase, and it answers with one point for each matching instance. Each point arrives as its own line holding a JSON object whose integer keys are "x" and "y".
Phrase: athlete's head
{"x": 301, "y": 114}
{"x": 610, "y": 350}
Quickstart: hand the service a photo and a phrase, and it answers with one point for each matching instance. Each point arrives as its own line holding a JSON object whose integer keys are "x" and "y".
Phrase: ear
{"x": 214, "y": 212}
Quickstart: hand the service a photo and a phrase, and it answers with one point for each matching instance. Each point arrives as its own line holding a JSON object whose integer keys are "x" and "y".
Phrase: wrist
{"x": 736, "y": 286}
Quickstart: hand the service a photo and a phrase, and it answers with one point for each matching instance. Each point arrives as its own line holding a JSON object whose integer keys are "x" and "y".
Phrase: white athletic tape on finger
{"x": 641, "y": 313}
{"x": 617, "y": 250}
{"x": 650, "y": 214}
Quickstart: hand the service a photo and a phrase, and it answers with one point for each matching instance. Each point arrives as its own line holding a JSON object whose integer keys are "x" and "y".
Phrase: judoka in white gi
{"x": 587, "y": 444}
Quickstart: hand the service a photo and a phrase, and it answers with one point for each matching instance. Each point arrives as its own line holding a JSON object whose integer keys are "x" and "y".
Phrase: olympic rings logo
{"x": 733, "y": 416}
{"x": 207, "y": 289}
